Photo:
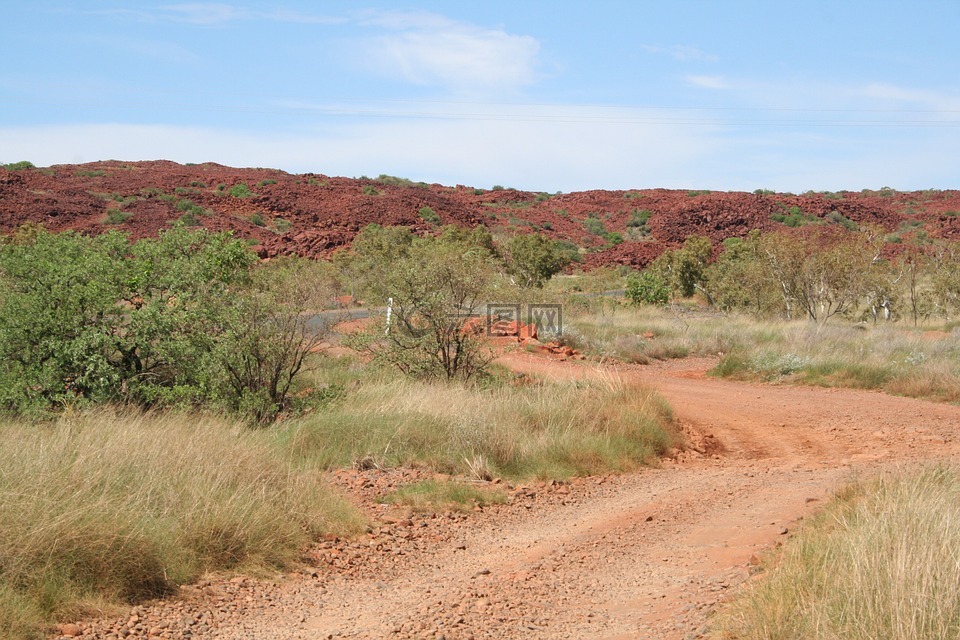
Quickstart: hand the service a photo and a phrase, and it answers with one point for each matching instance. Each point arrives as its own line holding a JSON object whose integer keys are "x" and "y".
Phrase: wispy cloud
{"x": 708, "y": 82}
{"x": 203, "y": 13}
{"x": 917, "y": 98}
{"x": 215, "y": 14}
{"x": 681, "y": 52}
{"x": 432, "y": 50}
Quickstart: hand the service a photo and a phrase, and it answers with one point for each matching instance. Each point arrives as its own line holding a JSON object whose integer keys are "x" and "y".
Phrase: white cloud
{"x": 708, "y": 82}
{"x": 528, "y": 146}
{"x": 556, "y": 149}
{"x": 919, "y": 98}
{"x": 432, "y": 50}
{"x": 207, "y": 13}
{"x": 681, "y": 52}
{"x": 215, "y": 14}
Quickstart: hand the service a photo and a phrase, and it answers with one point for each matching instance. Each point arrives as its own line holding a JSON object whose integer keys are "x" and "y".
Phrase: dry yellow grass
{"x": 111, "y": 507}
{"x": 881, "y": 561}
{"x": 545, "y": 430}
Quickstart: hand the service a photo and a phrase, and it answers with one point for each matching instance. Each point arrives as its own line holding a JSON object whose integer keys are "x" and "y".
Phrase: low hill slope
{"x": 312, "y": 214}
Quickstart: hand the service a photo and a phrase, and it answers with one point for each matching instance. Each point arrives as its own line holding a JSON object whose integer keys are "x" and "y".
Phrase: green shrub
{"x": 240, "y": 191}
{"x": 178, "y": 320}
{"x": 398, "y": 182}
{"x": 19, "y": 166}
{"x": 429, "y": 215}
{"x": 836, "y": 217}
{"x": 639, "y": 218}
{"x": 95, "y": 173}
{"x": 594, "y": 225}
{"x": 116, "y": 216}
{"x": 794, "y": 217}
{"x": 370, "y": 190}
{"x": 647, "y": 288}
{"x": 189, "y": 220}
{"x": 282, "y": 225}
{"x": 265, "y": 182}
{"x": 258, "y": 220}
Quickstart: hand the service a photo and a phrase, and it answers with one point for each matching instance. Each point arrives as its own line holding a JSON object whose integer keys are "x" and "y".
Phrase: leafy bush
{"x": 19, "y": 166}
{"x": 398, "y": 182}
{"x": 189, "y": 219}
{"x": 534, "y": 259}
{"x": 794, "y": 217}
{"x": 435, "y": 284}
{"x": 240, "y": 191}
{"x": 370, "y": 190}
{"x": 116, "y": 216}
{"x": 647, "y": 288}
{"x": 258, "y": 220}
{"x": 429, "y": 215}
{"x": 639, "y": 218}
{"x": 178, "y": 320}
{"x": 265, "y": 182}
{"x": 838, "y": 218}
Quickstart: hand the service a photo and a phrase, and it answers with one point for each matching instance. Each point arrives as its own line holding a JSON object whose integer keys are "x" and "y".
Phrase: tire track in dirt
{"x": 643, "y": 555}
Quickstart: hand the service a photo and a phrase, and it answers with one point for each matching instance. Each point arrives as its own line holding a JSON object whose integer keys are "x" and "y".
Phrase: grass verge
{"x": 542, "y": 430}
{"x": 112, "y": 507}
{"x": 893, "y": 358}
{"x": 442, "y": 495}
{"x": 896, "y": 360}
{"x": 880, "y": 561}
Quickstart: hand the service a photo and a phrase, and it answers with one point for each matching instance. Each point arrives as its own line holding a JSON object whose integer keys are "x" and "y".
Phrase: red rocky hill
{"x": 312, "y": 214}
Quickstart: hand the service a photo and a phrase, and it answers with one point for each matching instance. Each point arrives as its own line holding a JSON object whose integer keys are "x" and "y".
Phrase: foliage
{"x": 370, "y": 190}
{"x": 435, "y": 284}
{"x": 683, "y": 270}
{"x": 240, "y": 190}
{"x": 394, "y": 181}
{"x": 429, "y": 215}
{"x": 116, "y": 216}
{"x": 794, "y": 217}
{"x": 91, "y": 320}
{"x": 534, "y": 259}
{"x": 647, "y": 288}
{"x": 19, "y": 166}
{"x": 821, "y": 274}
{"x": 740, "y": 279}
{"x": 257, "y": 219}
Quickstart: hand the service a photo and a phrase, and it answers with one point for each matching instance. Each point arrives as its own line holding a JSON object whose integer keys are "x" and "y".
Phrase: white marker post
{"x": 389, "y": 312}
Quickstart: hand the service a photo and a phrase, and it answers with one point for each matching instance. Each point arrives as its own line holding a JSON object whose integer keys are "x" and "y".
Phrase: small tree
{"x": 534, "y": 259}
{"x": 682, "y": 270}
{"x": 647, "y": 288}
{"x": 435, "y": 288}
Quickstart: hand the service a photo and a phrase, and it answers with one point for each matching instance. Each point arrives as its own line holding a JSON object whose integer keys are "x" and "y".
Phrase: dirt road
{"x": 646, "y": 555}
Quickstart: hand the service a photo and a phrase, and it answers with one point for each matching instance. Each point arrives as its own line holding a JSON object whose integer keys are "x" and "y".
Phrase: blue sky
{"x": 547, "y": 96}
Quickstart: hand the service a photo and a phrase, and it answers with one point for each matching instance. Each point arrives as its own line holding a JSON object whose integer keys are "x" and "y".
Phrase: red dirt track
{"x": 325, "y": 213}
{"x": 645, "y": 555}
